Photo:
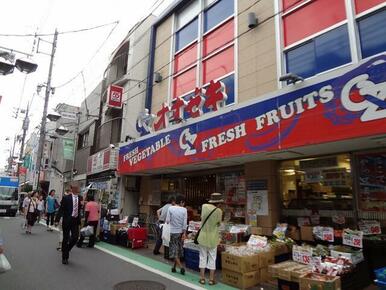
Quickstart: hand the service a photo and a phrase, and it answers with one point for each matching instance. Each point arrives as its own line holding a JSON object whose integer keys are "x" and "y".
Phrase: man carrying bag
{"x": 208, "y": 236}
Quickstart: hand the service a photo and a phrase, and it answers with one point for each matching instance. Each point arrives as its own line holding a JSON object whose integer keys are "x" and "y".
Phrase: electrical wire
{"x": 63, "y": 32}
{"x": 154, "y": 6}
{"x": 91, "y": 59}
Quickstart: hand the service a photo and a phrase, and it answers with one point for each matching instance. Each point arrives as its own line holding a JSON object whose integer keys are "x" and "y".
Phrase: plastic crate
{"x": 381, "y": 285}
{"x": 380, "y": 274}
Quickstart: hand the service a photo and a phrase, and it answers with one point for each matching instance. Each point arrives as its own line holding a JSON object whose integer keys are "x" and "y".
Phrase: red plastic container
{"x": 137, "y": 237}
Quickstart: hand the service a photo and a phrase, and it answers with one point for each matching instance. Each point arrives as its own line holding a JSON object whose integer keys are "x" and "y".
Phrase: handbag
{"x": 4, "y": 264}
{"x": 198, "y": 232}
{"x": 87, "y": 231}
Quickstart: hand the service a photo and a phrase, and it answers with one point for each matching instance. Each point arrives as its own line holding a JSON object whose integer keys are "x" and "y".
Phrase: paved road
{"x": 36, "y": 264}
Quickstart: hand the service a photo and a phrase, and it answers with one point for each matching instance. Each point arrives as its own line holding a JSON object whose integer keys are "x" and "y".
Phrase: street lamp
{"x": 53, "y": 117}
{"x": 7, "y": 66}
{"x": 62, "y": 130}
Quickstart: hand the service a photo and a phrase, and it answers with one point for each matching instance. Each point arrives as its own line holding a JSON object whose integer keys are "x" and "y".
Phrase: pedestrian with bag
{"x": 31, "y": 211}
{"x": 161, "y": 214}
{"x": 52, "y": 205}
{"x": 208, "y": 236}
{"x": 177, "y": 217}
{"x": 92, "y": 213}
{"x": 69, "y": 211}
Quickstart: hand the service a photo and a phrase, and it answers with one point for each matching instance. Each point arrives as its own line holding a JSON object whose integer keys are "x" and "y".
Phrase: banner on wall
{"x": 348, "y": 106}
{"x": 115, "y": 94}
{"x": 68, "y": 148}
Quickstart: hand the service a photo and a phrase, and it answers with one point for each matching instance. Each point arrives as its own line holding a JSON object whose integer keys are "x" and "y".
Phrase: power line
{"x": 63, "y": 32}
{"x": 155, "y": 5}
{"x": 91, "y": 59}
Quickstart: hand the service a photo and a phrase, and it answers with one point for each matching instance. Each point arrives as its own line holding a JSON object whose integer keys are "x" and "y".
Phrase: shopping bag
{"x": 87, "y": 231}
{"x": 165, "y": 234}
{"x": 4, "y": 264}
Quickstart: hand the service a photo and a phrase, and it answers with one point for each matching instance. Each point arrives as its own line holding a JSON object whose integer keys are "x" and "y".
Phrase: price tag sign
{"x": 302, "y": 254}
{"x": 257, "y": 241}
{"x": 370, "y": 227}
{"x": 338, "y": 219}
{"x": 194, "y": 226}
{"x": 324, "y": 233}
{"x": 353, "y": 238}
{"x": 280, "y": 231}
{"x": 304, "y": 221}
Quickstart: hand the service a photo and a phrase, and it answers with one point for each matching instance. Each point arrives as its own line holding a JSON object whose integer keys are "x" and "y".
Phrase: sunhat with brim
{"x": 216, "y": 198}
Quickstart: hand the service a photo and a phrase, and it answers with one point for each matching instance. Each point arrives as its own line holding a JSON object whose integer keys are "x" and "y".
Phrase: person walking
{"x": 92, "y": 213}
{"x": 69, "y": 211}
{"x": 50, "y": 209}
{"x": 31, "y": 211}
{"x": 40, "y": 207}
{"x": 208, "y": 236}
{"x": 177, "y": 217}
{"x": 161, "y": 214}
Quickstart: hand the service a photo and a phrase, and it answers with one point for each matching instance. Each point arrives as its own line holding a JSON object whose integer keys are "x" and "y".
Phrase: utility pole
{"x": 42, "y": 136}
{"x": 25, "y": 129}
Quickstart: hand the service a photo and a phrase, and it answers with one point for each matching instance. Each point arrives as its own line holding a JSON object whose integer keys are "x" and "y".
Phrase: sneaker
{"x": 174, "y": 270}
{"x": 182, "y": 271}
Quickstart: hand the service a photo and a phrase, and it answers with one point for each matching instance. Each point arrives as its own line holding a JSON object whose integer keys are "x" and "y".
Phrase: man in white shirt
{"x": 161, "y": 213}
{"x": 177, "y": 217}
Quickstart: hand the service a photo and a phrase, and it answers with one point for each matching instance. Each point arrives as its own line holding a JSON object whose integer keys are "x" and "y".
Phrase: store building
{"x": 223, "y": 121}
{"x": 122, "y": 99}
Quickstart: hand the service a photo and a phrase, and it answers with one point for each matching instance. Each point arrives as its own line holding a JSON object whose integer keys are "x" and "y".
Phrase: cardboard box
{"x": 284, "y": 273}
{"x": 239, "y": 280}
{"x": 297, "y": 272}
{"x": 266, "y": 259}
{"x": 355, "y": 257}
{"x": 280, "y": 249}
{"x": 319, "y": 282}
{"x": 264, "y": 275}
{"x": 256, "y": 231}
{"x": 273, "y": 270}
{"x": 306, "y": 233}
{"x": 115, "y": 227}
{"x": 240, "y": 264}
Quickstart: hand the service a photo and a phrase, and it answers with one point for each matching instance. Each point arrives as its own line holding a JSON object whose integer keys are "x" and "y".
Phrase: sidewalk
{"x": 144, "y": 256}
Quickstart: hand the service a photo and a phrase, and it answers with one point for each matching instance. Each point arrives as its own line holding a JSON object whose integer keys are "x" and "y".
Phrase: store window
{"x": 184, "y": 82}
{"x": 329, "y": 50}
{"x": 83, "y": 140}
{"x": 187, "y": 34}
{"x": 372, "y": 33}
{"x": 218, "y": 13}
{"x": 363, "y": 5}
{"x": 218, "y": 65}
{"x": 323, "y": 183}
{"x": 186, "y": 14}
{"x": 372, "y": 182}
{"x": 311, "y": 18}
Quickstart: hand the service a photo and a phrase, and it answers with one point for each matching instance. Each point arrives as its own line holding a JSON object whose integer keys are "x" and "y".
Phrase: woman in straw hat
{"x": 208, "y": 237}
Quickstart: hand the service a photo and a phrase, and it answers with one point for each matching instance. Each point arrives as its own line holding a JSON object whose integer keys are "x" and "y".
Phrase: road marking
{"x": 150, "y": 269}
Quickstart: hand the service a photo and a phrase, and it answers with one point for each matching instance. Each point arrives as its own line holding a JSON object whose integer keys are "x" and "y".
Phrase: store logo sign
{"x": 371, "y": 98}
{"x": 115, "y": 94}
{"x": 212, "y": 98}
{"x": 187, "y": 142}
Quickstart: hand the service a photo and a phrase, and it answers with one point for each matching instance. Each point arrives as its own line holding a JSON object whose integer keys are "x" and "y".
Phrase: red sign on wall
{"x": 115, "y": 94}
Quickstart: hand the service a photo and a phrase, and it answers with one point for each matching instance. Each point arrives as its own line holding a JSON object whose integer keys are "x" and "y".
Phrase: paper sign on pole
{"x": 370, "y": 227}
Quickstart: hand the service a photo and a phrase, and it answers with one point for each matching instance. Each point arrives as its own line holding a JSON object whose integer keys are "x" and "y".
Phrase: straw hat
{"x": 216, "y": 198}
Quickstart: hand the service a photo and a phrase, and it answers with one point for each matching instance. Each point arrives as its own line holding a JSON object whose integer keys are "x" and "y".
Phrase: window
{"x": 312, "y": 18}
{"x": 229, "y": 83}
{"x": 322, "y": 53}
{"x": 83, "y": 140}
{"x": 184, "y": 82}
{"x": 211, "y": 51}
{"x": 218, "y": 13}
{"x": 363, "y": 5}
{"x": 188, "y": 13}
{"x": 372, "y": 33}
{"x": 187, "y": 34}
{"x": 218, "y": 65}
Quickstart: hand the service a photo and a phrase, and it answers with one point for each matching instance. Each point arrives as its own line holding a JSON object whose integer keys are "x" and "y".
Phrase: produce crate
{"x": 192, "y": 259}
{"x": 287, "y": 285}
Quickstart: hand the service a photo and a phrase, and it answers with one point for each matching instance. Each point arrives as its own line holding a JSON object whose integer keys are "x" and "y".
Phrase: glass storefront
{"x": 323, "y": 183}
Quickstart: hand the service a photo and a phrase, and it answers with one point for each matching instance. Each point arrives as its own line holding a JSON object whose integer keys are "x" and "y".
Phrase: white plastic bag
{"x": 87, "y": 231}
{"x": 4, "y": 264}
{"x": 165, "y": 234}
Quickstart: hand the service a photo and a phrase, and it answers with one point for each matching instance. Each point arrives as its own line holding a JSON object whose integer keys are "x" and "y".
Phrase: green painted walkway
{"x": 188, "y": 277}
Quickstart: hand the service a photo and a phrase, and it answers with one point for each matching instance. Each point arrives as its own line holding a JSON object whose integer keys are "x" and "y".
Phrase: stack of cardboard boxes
{"x": 246, "y": 271}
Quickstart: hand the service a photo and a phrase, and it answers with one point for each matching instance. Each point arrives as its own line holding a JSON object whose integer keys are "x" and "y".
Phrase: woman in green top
{"x": 208, "y": 238}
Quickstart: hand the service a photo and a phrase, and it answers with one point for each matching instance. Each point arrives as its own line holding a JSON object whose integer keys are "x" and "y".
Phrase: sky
{"x": 86, "y": 52}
